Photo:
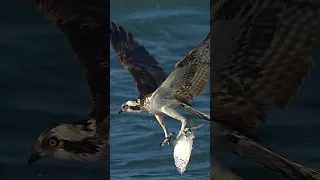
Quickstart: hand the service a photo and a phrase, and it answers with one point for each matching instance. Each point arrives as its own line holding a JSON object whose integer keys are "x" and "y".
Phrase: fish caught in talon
{"x": 183, "y": 148}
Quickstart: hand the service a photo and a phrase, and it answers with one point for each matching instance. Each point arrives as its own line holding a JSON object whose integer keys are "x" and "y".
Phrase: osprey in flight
{"x": 160, "y": 93}
{"x": 88, "y": 34}
{"x": 260, "y": 58}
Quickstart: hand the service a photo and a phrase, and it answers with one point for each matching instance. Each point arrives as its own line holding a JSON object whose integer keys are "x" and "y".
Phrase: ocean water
{"x": 168, "y": 30}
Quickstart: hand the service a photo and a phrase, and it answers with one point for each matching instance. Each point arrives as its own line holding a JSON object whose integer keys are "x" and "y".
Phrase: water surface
{"x": 168, "y": 30}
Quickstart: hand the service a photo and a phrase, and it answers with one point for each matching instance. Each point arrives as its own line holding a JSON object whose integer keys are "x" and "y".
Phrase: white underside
{"x": 182, "y": 152}
{"x": 158, "y": 104}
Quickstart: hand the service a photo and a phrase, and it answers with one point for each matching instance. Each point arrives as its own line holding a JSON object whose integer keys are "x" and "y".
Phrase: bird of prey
{"x": 260, "y": 58}
{"x": 87, "y": 29}
{"x": 160, "y": 93}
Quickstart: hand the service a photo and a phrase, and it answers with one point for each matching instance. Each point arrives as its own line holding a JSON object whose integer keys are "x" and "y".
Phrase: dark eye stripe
{"x": 135, "y": 107}
{"x": 84, "y": 146}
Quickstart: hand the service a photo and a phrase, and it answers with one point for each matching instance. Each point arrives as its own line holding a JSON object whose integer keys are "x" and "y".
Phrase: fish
{"x": 183, "y": 148}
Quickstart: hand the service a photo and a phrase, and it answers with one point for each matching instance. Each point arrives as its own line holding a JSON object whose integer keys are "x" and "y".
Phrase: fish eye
{"x": 187, "y": 130}
{"x": 53, "y": 142}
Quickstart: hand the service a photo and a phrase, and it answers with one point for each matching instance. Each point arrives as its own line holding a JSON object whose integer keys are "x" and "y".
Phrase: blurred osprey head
{"x": 79, "y": 141}
{"x": 131, "y": 106}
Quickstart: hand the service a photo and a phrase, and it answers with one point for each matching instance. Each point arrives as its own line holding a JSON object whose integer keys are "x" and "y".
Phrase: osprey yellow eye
{"x": 53, "y": 143}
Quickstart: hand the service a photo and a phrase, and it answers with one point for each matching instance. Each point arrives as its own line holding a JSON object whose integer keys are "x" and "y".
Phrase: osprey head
{"x": 131, "y": 106}
{"x": 69, "y": 141}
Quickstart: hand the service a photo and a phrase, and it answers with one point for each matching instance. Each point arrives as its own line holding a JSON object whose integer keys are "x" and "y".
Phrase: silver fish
{"x": 183, "y": 148}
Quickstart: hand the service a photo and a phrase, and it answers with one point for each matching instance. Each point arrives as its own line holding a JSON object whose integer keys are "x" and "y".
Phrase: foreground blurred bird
{"x": 87, "y": 28}
{"x": 159, "y": 93}
{"x": 219, "y": 172}
{"x": 259, "y": 51}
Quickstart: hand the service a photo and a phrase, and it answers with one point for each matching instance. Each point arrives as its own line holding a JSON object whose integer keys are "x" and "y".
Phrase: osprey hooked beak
{"x": 33, "y": 155}
{"x": 120, "y": 111}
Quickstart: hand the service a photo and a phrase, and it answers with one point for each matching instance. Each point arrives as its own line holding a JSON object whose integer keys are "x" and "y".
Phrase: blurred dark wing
{"x": 219, "y": 172}
{"x": 145, "y": 70}
{"x": 259, "y": 50}
{"x": 86, "y": 26}
{"x": 189, "y": 77}
{"x": 255, "y": 151}
{"x": 84, "y": 11}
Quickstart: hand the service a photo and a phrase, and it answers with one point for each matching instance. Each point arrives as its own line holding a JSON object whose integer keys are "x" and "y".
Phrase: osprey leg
{"x": 165, "y": 130}
{"x": 162, "y": 124}
{"x": 176, "y": 115}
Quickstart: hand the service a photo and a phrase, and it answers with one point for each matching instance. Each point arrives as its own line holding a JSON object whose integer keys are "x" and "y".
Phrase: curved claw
{"x": 167, "y": 139}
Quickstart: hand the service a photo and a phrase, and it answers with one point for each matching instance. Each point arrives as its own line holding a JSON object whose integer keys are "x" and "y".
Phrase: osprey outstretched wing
{"x": 145, "y": 70}
{"x": 260, "y": 58}
{"x": 189, "y": 76}
{"x": 86, "y": 26}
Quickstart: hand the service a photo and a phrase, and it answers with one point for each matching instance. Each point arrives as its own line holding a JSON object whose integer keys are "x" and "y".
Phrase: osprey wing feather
{"x": 145, "y": 70}
{"x": 87, "y": 33}
{"x": 260, "y": 56}
{"x": 189, "y": 77}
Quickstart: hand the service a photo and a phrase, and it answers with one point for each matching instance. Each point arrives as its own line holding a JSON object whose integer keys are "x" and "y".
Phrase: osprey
{"x": 88, "y": 33}
{"x": 259, "y": 51}
{"x": 160, "y": 93}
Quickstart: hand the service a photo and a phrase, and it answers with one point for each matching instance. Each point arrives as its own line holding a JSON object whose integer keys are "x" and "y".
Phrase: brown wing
{"x": 189, "y": 77}
{"x": 259, "y": 50}
{"x": 86, "y": 25}
{"x": 83, "y": 11}
{"x": 145, "y": 70}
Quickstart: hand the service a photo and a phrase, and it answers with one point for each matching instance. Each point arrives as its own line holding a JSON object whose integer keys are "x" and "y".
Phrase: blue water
{"x": 168, "y": 31}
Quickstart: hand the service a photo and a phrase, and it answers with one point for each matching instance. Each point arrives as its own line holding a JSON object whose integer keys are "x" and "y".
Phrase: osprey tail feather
{"x": 195, "y": 112}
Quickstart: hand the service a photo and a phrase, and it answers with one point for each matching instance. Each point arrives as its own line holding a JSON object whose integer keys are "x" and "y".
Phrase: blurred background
{"x": 168, "y": 30}
{"x": 42, "y": 83}
{"x": 293, "y": 133}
